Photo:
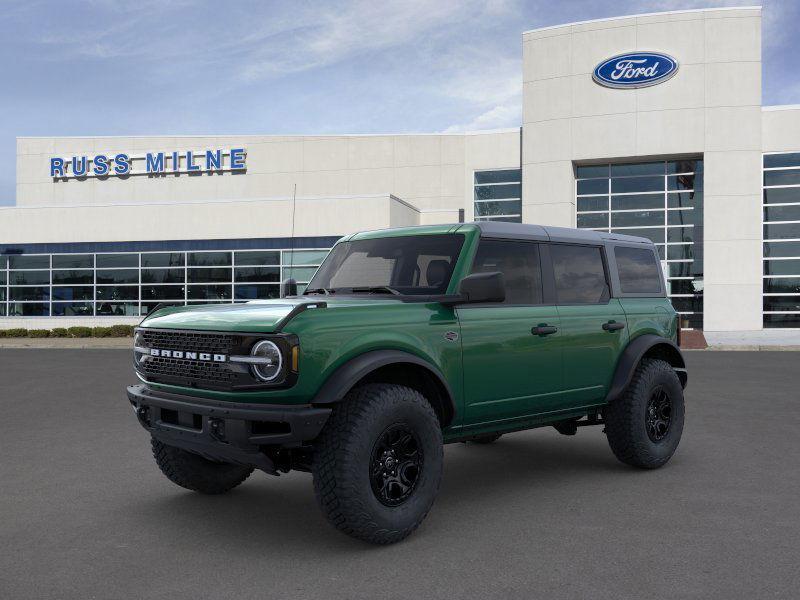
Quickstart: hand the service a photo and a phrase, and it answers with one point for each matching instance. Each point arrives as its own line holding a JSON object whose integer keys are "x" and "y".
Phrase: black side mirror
{"x": 288, "y": 288}
{"x": 483, "y": 287}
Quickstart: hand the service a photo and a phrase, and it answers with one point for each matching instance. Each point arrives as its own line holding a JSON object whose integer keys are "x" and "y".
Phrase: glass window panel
{"x": 493, "y": 209}
{"x": 117, "y": 309}
{"x": 29, "y": 293}
{"x": 2, "y": 278}
{"x": 579, "y": 274}
{"x": 648, "y": 168}
{"x": 662, "y": 251}
{"x": 28, "y": 309}
{"x": 776, "y": 321}
{"x": 303, "y": 274}
{"x": 680, "y": 234}
{"x": 209, "y": 259}
{"x": 495, "y": 192}
{"x": 685, "y": 200}
{"x": 84, "y": 292}
{"x": 788, "y": 177}
{"x": 73, "y": 276}
{"x": 498, "y": 176}
{"x": 149, "y": 306}
{"x": 118, "y": 276}
{"x": 680, "y": 252}
{"x": 208, "y": 275}
{"x": 29, "y": 277}
{"x": 593, "y": 203}
{"x": 782, "y": 195}
{"x": 163, "y": 276}
{"x": 637, "y": 219}
{"x": 117, "y": 260}
{"x": 209, "y": 292}
{"x": 639, "y": 273}
{"x": 117, "y": 292}
{"x": 637, "y": 201}
{"x": 163, "y": 259}
{"x": 789, "y": 159}
{"x": 258, "y": 274}
{"x": 519, "y": 264}
{"x": 637, "y": 184}
{"x": 3, "y": 262}
{"x": 780, "y": 249}
{"x": 684, "y": 166}
{"x": 29, "y": 262}
{"x": 680, "y": 269}
{"x": 693, "y": 304}
{"x": 791, "y": 303}
{"x": 782, "y": 267}
{"x": 694, "y": 321}
{"x": 2, "y": 294}
{"x": 782, "y": 213}
{"x": 593, "y": 220}
{"x": 162, "y": 292}
{"x": 684, "y": 182}
{"x": 593, "y": 186}
{"x": 73, "y": 261}
{"x": 655, "y": 234}
{"x": 73, "y": 309}
{"x": 782, "y": 285}
{"x": 587, "y": 171}
{"x": 2, "y": 310}
{"x": 272, "y": 257}
{"x": 782, "y": 231}
{"x": 684, "y": 286}
{"x": 257, "y": 292}
{"x": 684, "y": 217}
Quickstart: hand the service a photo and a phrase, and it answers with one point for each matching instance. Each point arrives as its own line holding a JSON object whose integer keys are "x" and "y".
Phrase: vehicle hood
{"x": 259, "y": 316}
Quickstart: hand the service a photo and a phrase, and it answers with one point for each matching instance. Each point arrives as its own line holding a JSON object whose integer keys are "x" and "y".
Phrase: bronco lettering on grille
{"x": 204, "y": 356}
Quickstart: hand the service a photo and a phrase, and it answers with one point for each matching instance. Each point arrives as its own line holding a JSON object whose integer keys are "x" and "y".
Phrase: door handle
{"x": 613, "y": 326}
{"x": 543, "y": 330}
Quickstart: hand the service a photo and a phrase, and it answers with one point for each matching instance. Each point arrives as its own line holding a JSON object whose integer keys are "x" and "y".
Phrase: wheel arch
{"x": 645, "y": 346}
{"x": 391, "y": 366}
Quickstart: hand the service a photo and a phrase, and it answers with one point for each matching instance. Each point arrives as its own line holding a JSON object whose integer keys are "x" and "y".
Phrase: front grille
{"x": 193, "y": 341}
{"x": 192, "y": 371}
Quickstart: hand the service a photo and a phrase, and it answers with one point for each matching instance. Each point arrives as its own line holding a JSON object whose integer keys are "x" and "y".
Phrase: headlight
{"x": 138, "y": 347}
{"x": 270, "y": 360}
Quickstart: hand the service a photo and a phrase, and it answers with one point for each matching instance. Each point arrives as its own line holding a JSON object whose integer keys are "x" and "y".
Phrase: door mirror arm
{"x": 478, "y": 288}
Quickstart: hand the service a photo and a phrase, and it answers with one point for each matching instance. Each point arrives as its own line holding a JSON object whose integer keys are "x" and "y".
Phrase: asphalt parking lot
{"x": 85, "y": 513}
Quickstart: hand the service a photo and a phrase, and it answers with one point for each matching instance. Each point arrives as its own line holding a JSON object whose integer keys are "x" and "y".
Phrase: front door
{"x": 511, "y": 350}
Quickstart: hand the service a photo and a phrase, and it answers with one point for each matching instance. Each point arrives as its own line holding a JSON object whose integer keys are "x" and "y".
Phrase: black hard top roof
{"x": 523, "y": 231}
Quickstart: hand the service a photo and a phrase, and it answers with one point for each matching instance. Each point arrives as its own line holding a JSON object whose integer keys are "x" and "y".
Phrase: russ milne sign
{"x": 151, "y": 163}
{"x": 635, "y": 70}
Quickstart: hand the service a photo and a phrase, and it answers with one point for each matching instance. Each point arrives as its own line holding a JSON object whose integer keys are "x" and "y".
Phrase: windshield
{"x": 413, "y": 264}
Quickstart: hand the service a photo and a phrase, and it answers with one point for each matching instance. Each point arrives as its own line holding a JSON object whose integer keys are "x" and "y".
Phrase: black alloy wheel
{"x": 395, "y": 465}
{"x": 658, "y": 415}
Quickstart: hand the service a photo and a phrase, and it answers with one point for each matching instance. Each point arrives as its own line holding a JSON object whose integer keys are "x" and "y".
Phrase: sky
{"x": 161, "y": 67}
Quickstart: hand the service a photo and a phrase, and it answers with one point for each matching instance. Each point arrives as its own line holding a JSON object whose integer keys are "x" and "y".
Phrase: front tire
{"x": 378, "y": 463}
{"x": 193, "y": 472}
{"x": 645, "y": 425}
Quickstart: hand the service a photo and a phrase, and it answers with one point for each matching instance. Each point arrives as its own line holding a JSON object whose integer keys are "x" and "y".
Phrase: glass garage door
{"x": 781, "y": 301}
{"x": 660, "y": 200}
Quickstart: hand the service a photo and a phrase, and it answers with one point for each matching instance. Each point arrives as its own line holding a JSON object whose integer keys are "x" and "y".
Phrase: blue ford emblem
{"x": 635, "y": 70}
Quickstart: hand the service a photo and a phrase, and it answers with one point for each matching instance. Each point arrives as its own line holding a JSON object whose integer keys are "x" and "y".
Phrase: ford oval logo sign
{"x": 635, "y": 70}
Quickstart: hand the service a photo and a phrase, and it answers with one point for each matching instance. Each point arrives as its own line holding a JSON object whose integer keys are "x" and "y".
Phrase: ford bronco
{"x": 408, "y": 339}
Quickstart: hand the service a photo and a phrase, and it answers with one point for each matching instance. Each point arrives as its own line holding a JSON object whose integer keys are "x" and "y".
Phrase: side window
{"x": 579, "y": 274}
{"x": 519, "y": 264}
{"x": 639, "y": 272}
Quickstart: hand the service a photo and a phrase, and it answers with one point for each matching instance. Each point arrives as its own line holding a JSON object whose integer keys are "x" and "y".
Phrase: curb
{"x": 753, "y": 348}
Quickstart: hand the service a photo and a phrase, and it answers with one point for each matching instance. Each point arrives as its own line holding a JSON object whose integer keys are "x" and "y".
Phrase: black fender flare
{"x": 633, "y": 354}
{"x": 350, "y": 373}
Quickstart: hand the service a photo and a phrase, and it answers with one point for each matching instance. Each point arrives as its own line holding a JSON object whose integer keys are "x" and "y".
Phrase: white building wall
{"x": 711, "y": 107}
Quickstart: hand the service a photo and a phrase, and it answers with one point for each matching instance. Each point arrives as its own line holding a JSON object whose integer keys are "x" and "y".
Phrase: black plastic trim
{"x": 633, "y": 354}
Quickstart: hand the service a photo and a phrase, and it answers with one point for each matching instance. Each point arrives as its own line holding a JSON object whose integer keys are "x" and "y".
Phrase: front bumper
{"x": 225, "y": 431}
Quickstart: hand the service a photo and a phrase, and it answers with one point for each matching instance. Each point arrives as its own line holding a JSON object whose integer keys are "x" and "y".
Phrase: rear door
{"x": 511, "y": 350}
{"x": 593, "y": 325}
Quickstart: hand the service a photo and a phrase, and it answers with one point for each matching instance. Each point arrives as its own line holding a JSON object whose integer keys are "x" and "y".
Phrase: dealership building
{"x": 650, "y": 125}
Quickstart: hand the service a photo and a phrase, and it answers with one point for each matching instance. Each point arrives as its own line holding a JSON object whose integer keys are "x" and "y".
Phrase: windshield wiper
{"x": 325, "y": 291}
{"x": 375, "y": 289}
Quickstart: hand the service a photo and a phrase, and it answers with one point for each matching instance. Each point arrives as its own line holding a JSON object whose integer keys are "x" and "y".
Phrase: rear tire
{"x": 193, "y": 472}
{"x": 645, "y": 424}
{"x": 378, "y": 463}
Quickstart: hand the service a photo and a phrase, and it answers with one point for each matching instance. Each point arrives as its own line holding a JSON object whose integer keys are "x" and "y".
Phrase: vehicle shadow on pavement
{"x": 265, "y": 511}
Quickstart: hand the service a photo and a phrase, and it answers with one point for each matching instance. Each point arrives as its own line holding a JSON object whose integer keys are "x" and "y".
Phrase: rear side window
{"x": 519, "y": 264}
{"x": 579, "y": 274}
{"x": 638, "y": 271}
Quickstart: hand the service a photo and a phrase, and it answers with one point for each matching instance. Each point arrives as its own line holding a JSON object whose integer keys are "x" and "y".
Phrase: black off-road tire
{"x": 193, "y": 472}
{"x": 487, "y": 439}
{"x": 626, "y": 420}
{"x": 344, "y": 460}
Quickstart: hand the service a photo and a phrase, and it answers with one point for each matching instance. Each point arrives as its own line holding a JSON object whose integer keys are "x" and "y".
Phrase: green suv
{"x": 408, "y": 339}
